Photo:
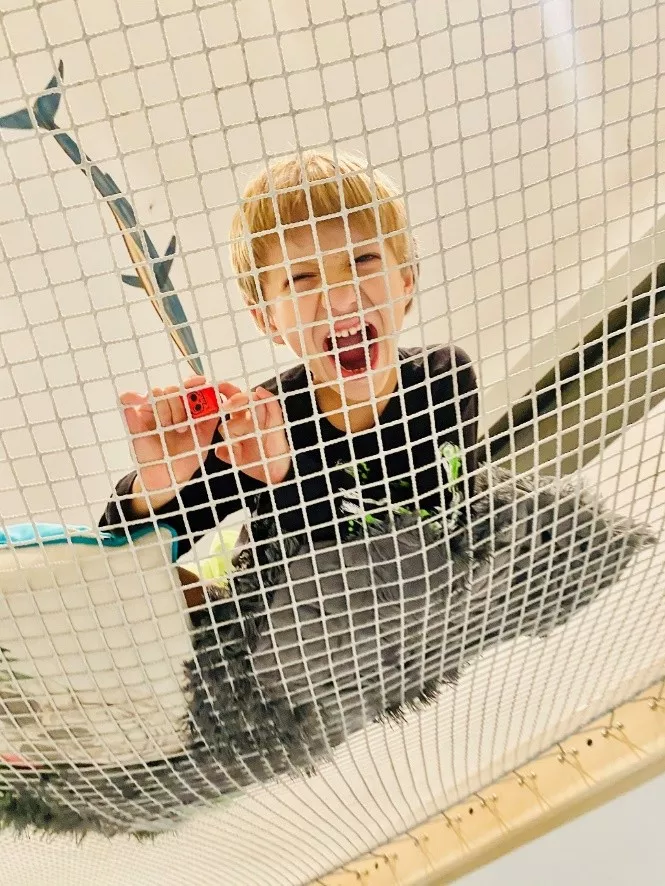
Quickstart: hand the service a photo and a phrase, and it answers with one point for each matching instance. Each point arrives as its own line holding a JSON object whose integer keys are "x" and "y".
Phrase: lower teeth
{"x": 336, "y": 357}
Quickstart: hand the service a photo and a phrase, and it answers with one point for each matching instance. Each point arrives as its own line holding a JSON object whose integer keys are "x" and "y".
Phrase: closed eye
{"x": 306, "y": 278}
{"x": 366, "y": 258}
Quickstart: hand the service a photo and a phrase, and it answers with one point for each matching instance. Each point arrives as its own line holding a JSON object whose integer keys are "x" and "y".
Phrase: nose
{"x": 343, "y": 296}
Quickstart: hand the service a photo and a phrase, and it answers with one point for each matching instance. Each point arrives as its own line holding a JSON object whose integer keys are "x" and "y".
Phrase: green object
{"x": 452, "y": 465}
{"x": 219, "y": 564}
{"x": 451, "y": 456}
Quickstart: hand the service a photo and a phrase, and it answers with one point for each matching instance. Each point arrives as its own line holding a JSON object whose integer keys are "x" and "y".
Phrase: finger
{"x": 229, "y": 402}
{"x": 226, "y": 389}
{"x": 133, "y": 398}
{"x": 260, "y": 410}
{"x": 138, "y": 412}
{"x": 223, "y": 453}
{"x": 139, "y": 402}
{"x": 231, "y": 453}
{"x": 162, "y": 408}
{"x": 240, "y": 426}
{"x": 133, "y": 420}
{"x": 273, "y": 409}
{"x": 176, "y": 405}
{"x": 140, "y": 422}
{"x": 196, "y": 381}
{"x": 236, "y": 402}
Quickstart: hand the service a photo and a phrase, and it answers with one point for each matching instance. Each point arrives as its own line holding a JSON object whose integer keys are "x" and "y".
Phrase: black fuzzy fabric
{"x": 314, "y": 643}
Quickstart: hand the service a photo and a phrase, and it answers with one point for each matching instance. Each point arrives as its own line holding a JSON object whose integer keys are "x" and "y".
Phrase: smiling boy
{"x": 328, "y": 268}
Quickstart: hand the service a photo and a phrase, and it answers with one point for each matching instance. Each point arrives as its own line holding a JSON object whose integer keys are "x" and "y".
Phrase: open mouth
{"x": 355, "y": 349}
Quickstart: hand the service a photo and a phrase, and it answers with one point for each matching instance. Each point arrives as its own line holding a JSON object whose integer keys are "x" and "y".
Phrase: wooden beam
{"x": 611, "y": 756}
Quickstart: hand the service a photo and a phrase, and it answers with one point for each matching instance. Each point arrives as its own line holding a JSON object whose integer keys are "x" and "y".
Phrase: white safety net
{"x": 376, "y": 658}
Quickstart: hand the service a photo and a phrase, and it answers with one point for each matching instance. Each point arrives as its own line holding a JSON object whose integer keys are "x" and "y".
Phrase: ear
{"x": 262, "y": 316}
{"x": 409, "y": 278}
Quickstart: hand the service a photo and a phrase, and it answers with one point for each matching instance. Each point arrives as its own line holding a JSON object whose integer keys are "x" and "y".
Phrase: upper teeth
{"x": 352, "y": 330}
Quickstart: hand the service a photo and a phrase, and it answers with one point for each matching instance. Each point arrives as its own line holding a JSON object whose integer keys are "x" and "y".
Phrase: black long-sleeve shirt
{"x": 435, "y": 401}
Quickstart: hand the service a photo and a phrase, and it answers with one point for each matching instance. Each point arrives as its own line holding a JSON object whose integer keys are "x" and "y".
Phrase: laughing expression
{"x": 338, "y": 305}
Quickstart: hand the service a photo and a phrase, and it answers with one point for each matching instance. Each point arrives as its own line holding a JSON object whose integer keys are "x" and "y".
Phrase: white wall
{"x": 528, "y": 139}
{"x": 506, "y": 126}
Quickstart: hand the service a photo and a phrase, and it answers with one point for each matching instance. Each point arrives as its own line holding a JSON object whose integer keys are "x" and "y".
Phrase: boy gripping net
{"x": 316, "y": 612}
{"x": 380, "y": 557}
{"x": 328, "y": 268}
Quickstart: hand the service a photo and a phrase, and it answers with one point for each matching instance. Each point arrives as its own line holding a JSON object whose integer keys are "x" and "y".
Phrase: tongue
{"x": 352, "y": 353}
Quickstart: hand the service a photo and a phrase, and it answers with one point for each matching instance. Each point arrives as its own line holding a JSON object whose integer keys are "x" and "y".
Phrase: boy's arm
{"x": 303, "y": 499}
{"x": 199, "y": 506}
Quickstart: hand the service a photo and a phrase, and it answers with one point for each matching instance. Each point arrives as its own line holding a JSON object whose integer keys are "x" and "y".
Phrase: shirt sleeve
{"x": 212, "y": 494}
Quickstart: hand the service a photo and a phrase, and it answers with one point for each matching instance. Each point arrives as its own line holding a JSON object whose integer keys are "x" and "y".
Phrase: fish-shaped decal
{"x": 157, "y": 284}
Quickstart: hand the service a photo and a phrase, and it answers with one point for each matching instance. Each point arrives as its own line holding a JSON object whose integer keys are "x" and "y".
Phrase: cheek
{"x": 296, "y": 341}
{"x": 375, "y": 290}
{"x": 385, "y": 287}
{"x": 387, "y": 290}
{"x": 294, "y": 319}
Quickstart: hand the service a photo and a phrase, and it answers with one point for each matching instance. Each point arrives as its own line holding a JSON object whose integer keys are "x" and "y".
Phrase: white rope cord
{"x": 523, "y": 139}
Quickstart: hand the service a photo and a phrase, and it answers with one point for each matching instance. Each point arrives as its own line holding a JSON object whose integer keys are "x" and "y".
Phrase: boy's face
{"x": 345, "y": 331}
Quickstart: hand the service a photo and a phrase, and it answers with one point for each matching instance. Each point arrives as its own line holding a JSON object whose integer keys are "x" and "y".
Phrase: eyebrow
{"x": 297, "y": 262}
{"x": 343, "y": 251}
{"x": 296, "y": 265}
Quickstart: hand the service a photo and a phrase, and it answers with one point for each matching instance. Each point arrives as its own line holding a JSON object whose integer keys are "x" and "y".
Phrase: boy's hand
{"x": 254, "y": 434}
{"x": 173, "y": 461}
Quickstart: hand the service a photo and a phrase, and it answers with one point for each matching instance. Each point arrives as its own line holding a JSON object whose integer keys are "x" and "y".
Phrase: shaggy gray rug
{"x": 313, "y": 643}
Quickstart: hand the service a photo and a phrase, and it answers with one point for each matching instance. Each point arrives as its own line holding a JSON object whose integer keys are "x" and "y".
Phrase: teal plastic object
{"x": 34, "y": 535}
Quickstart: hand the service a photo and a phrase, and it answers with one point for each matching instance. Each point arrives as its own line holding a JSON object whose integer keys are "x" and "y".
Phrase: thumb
{"x": 228, "y": 390}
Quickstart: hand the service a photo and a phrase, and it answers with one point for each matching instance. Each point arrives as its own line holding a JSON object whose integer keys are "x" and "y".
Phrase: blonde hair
{"x": 335, "y": 185}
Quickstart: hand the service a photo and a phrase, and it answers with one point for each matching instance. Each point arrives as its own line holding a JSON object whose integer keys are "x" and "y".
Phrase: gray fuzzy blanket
{"x": 313, "y": 643}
